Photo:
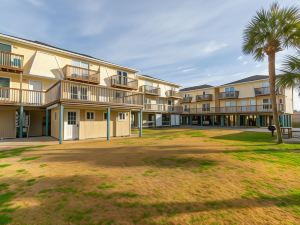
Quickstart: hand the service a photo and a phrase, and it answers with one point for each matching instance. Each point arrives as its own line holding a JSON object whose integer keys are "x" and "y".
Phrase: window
{"x": 206, "y": 107}
{"x": 267, "y": 104}
{"x": 90, "y": 115}
{"x": 77, "y": 71}
{"x": 105, "y": 116}
{"x": 122, "y": 116}
{"x": 5, "y": 47}
{"x": 229, "y": 89}
{"x": 71, "y": 118}
{"x": 4, "y": 87}
{"x": 204, "y": 93}
{"x": 122, "y": 79}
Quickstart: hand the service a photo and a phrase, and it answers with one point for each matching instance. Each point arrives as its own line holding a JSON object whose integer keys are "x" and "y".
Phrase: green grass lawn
{"x": 170, "y": 176}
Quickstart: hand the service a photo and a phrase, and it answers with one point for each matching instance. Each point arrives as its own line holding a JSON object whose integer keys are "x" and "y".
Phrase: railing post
{"x": 47, "y": 122}
{"x": 61, "y": 123}
{"x": 108, "y": 124}
{"x": 21, "y": 121}
{"x": 140, "y": 121}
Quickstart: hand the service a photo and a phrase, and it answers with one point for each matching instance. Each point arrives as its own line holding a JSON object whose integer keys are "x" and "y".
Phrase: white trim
{"x": 158, "y": 80}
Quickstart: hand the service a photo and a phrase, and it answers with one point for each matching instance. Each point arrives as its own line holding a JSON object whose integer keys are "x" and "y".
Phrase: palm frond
{"x": 291, "y": 73}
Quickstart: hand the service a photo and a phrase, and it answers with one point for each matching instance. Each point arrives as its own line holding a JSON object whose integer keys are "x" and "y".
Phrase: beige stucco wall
{"x": 7, "y": 123}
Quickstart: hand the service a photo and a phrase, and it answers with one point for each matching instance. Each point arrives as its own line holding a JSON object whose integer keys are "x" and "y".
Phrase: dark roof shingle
{"x": 196, "y": 87}
{"x": 248, "y": 79}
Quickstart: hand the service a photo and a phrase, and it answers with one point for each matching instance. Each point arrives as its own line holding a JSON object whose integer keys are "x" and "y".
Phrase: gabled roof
{"x": 154, "y": 78}
{"x": 197, "y": 87}
{"x": 42, "y": 44}
{"x": 249, "y": 79}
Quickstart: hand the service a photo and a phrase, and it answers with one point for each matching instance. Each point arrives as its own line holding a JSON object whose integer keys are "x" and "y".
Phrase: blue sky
{"x": 189, "y": 42}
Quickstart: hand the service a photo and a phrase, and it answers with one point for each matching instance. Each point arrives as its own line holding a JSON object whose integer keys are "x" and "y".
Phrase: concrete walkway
{"x": 24, "y": 142}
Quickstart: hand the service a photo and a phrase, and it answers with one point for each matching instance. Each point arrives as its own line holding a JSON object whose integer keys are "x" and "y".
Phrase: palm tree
{"x": 291, "y": 73}
{"x": 269, "y": 32}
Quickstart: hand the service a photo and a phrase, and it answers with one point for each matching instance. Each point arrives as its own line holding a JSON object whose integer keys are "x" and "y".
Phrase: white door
{"x": 173, "y": 120}
{"x": 35, "y": 95}
{"x": 158, "y": 118}
{"x": 71, "y": 124}
{"x": 177, "y": 117}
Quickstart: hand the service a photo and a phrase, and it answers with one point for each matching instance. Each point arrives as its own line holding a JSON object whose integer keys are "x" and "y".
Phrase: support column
{"x": 237, "y": 120}
{"x": 213, "y": 120}
{"x": 21, "y": 121}
{"x": 61, "y": 123}
{"x": 201, "y": 120}
{"x": 190, "y": 118}
{"x": 47, "y": 122}
{"x": 108, "y": 124}
{"x": 258, "y": 121}
{"x": 140, "y": 123}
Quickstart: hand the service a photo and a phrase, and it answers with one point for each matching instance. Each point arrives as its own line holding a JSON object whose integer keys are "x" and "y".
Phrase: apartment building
{"x": 244, "y": 102}
{"x": 49, "y": 91}
{"x": 161, "y": 102}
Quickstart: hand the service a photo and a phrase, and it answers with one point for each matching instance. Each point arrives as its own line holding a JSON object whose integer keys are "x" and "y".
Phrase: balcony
{"x": 265, "y": 91}
{"x": 206, "y": 97}
{"x": 124, "y": 82}
{"x": 10, "y": 62}
{"x": 172, "y": 94}
{"x": 81, "y": 74}
{"x": 267, "y": 108}
{"x": 163, "y": 108}
{"x": 12, "y": 96}
{"x": 229, "y": 95}
{"x": 150, "y": 90}
{"x": 74, "y": 92}
{"x": 187, "y": 99}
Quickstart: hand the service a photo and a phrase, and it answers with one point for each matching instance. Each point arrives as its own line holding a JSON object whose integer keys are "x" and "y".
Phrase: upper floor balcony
{"x": 10, "y": 62}
{"x": 125, "y": 82}
{"x": 266, "y": 91}
{"x": 81, "y": 74}
{"x": 205, "y": 97}
{"x": 163, "y": 108}
{"x": 75, "y": 92}
{"x": 72, "y": 92}
{"x": 150, "y": 90}
{"x": 15, "y": 96}
{"x": 172, "y": 94}
{"x": 187, "y": 99}
{"x": 229, "y": 95}
{"x": 266, "y": 108}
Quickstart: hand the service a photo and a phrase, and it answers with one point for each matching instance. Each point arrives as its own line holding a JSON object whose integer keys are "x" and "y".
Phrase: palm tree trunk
{"x": 272, "y": 78}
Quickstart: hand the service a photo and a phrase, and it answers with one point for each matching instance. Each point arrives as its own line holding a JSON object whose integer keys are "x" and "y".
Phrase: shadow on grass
{"x": 68, "y": 201}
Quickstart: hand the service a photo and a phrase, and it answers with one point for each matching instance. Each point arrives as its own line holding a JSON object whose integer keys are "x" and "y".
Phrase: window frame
{"x": 124, "y": 118}
{"x": 91, "y": 113}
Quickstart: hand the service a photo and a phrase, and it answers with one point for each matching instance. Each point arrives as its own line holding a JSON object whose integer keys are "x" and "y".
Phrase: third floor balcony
{"x": 125, "y": 82}
{"x": 81, "y": 74}
{"x": 265, "y": 91}
{"x": 229, "y": 95}
{"x": 205, "y": 97}
{"x": 151, "y": 90}
{"x": 10, "y": 62}
{"x": 172, "y": 94}
{"x": 187, "y": 99}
